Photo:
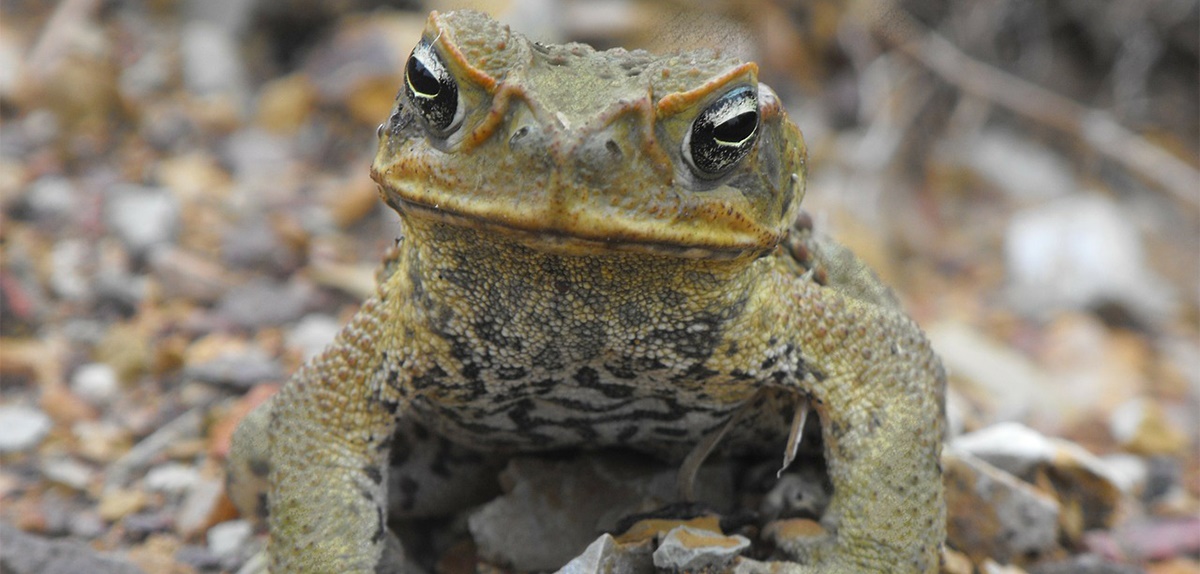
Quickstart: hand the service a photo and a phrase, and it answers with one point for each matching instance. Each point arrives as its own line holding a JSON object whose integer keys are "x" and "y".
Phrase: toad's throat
{"x": 566, "y": 242}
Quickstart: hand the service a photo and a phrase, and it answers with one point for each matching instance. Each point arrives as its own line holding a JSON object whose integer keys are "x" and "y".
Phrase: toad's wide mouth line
{"x": 568, "y": 243}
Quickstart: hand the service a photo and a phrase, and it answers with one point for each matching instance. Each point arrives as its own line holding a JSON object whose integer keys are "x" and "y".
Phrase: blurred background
{"x": 185, "y": 216}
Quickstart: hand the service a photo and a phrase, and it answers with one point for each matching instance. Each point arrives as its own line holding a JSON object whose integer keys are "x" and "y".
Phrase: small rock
{"x": 1079, "y": 252}
{"x": 86, "y": 525}
{"x": 1012, "y": 447}
{"x": 285, "y": 103}
{"x": 1088, "y": 495}
{"x": 554, "y": 508}
{"x": 257, "y": 156}
{"x": 70, "y": 274}
{"x": 688, "y": 549}
{"x": 1009, "y": 381}
{"x": 212, "y": 62}
{"x": 118, "y": 503}
{"x": 265, "y": 303}
{"x": 1141, "y": 426}
{"x": 1129, "y": 472}
{"x": 954, "y": 562}
{"x": 24, "y": 427}
{"x": 227, "y": 538}
{"x": 52, "y": 199}
{"x": 253, "y": 245}
{"x": 199, "y": 557}
{"x": 95, "y": 383}
{"x": 142, "y": 217}
{"x": 1020, "y": 167}
{"x": 312, "y": 334}
{"x": 67, "y": 471}
{"x": 101, "y": 441}
{"x": 1149, "y": 539}
{"x": 68, "y": 269}
{"x": 140, "y": 525}
{"x": 171, "y": 478}
{"x": 201, "y": 508}
{"x": 1084, "y": 564}
{"x": 607, "y": 556}
{"x": 990, "y": 566}
{"x": 187, "y": 275}
{"x": 38, "y": 555}
{"x": 991, "y": 514}
{"x": 238, "y": 369}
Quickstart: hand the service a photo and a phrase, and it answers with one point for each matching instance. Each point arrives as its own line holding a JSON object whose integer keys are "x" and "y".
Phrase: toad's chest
{"x": 658, "y": 410}
{"x": 509, "y": 347}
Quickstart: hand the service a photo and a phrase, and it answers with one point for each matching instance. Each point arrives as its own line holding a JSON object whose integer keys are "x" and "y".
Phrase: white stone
{"x": 1078, "y": 251}
{"x": 171, "y": 478}
{"x": 95, "y": 383}
{"x": 21, "y": 427}
{"x": 142, "y": 217}
{"x": 227, "y": 538}
{"x": 676, "y": 554}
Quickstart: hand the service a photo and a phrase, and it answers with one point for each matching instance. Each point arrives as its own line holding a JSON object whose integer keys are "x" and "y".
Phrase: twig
{"x": 1096, "y": 128}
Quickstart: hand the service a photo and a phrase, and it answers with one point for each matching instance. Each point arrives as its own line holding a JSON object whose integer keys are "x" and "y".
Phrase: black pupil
{"x": 737, "y": 128}
{"x": 421, "y": 78}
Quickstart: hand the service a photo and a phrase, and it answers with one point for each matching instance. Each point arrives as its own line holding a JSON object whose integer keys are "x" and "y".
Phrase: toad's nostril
{"x": 518, "y": 135}
{"x": 613, "y": 149}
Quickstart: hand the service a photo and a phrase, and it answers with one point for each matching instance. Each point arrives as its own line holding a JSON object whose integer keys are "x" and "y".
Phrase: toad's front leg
{"x": 329, "y": 432}
{"x": 879, "y": 391}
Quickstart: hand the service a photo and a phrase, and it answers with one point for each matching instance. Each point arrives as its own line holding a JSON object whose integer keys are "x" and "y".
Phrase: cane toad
{"x": 598, "y": 250}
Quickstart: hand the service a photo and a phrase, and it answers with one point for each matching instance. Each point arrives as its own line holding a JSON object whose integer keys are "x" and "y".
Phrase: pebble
{"x": 242, "y": 369}
{"x": 607, "y": 556}
{"x": 67, "y": 472}
{"x": 69, "y": 277}
{"x": 689, "y": 549}
{"x": 1087, "y": 492}
{"x": 554, "y": 508}
{"x": 1141, "y": 426}
{"x": 227, "y": 538}
{"x": 1128, "y": 471}
{"x": 1147, "y": 539}
{"x": 991, "y": 514}
{"x": 118, "y": 503}
{"x": 143, "y": 524}
{"x": 258, "y": 158}
{"x": 44, "y": 556}
{"x": 1010, "y": 384}
{"x": 24, "y": 427}
{"x": 95, "y": 383}
{"x": 185, "y": 275}
{"x": 1022, "y": 168}
{"x": 1078, "y": 252}
{"x": 200, "y": 507}
{"x": 212, "y": 61}
{"x": 53, "y": 199}
{"x": 1084, "y": 564}
{"x": 199, "y": 557}
{"x": 312, "y": 334}
{"x": 264, "y": 302}
{"x": 142, "y": 217}
{"x": 171, "y": 478}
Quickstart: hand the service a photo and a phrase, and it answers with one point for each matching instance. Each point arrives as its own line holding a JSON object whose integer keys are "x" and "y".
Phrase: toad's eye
{"x": 723, "y": 133}
{"x": 431, "y": 89}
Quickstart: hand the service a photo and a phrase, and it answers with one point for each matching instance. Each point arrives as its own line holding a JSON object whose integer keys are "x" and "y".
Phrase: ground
{"x": 186, "y": 215}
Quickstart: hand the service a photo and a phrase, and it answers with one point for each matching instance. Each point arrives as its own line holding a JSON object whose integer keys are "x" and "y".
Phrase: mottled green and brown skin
{"x": 568, "y": 277}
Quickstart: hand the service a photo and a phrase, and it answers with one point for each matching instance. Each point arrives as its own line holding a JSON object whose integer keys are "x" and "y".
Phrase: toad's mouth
{"x": 571, "y": 240}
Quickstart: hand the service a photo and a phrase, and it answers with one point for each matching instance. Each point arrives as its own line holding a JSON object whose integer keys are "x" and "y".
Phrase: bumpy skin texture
{"x": 567, "y": 278}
